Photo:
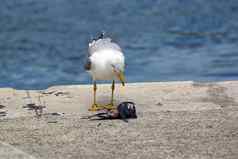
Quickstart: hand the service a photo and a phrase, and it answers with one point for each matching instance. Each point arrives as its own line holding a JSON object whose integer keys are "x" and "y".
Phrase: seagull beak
{"x": 121, "y": 77}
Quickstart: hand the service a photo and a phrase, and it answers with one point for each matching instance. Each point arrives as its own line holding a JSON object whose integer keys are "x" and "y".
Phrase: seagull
{"x": 105, "y": 61}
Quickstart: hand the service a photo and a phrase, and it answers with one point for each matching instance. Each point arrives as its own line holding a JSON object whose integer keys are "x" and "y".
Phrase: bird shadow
{"x": 107, "y": 119}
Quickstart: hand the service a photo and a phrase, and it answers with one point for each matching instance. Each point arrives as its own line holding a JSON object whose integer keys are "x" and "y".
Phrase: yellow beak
{"x": 121, "y": 77}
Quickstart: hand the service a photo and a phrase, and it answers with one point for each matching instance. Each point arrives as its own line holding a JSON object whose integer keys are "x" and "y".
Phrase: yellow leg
{"x": 94, "y": 92}
{"x": 113, "y": 88}
{"x": 111, "y": 105}
{"x": 95, "y": 106}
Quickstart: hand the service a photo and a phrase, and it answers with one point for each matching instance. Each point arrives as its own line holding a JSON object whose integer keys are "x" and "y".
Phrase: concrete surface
{"x": 175, "y": 120}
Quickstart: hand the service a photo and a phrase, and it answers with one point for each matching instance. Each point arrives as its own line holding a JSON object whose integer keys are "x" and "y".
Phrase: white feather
{"x": 102, "y": 63}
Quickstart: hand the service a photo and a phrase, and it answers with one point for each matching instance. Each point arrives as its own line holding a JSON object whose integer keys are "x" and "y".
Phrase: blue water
{"x": 44, "y": 42}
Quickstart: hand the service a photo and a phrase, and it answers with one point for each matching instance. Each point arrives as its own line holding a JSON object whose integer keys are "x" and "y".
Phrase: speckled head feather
{"x": 101, "y": 44}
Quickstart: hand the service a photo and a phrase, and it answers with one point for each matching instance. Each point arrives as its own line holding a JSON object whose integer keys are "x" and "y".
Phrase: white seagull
{"x": 105, "y": 62}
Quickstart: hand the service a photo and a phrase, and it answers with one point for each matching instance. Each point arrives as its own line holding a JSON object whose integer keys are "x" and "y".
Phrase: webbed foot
{"x": 97, "y": 107}
{"x": 110, "y": 107}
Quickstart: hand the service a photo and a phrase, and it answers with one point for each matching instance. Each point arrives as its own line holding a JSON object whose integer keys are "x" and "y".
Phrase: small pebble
{"x": 2, "y": 106}
{"x": 52, "y": 122}
{"x": 159, "y": 104}
{"x": 57, "y": 114}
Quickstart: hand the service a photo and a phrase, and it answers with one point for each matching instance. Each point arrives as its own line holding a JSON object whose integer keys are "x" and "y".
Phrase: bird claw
{"x": 96, "y": 107}
{"x": 110, "y": 107}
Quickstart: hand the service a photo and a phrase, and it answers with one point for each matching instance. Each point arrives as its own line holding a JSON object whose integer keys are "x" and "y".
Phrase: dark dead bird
{"x": 124, "y": 111}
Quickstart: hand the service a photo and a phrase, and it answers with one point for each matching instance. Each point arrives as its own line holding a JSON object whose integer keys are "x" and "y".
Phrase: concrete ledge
{"x": 176, "y": 120}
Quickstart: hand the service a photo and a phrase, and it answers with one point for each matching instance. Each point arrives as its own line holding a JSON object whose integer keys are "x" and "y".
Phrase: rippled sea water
{"x": 44, "y": 43}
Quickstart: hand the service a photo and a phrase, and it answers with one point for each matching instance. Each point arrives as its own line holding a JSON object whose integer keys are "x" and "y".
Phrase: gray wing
{"x": 101, "y": 44}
